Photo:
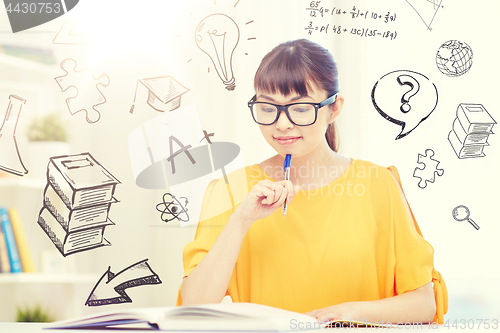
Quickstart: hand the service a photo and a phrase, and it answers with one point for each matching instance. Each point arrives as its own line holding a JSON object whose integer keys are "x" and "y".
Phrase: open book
{"x": 207, "y": 317}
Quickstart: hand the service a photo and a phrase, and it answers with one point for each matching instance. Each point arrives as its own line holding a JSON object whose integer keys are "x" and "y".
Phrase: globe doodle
{"x": 454, "y": 58}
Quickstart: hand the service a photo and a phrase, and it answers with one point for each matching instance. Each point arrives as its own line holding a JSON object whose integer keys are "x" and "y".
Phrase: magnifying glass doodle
{"x": 462, "y": 213}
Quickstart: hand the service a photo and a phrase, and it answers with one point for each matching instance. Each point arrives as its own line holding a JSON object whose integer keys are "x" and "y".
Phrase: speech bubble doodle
{"x": 391, "y": 98}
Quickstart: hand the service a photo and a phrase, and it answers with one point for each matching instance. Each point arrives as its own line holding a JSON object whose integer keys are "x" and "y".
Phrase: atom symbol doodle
{"x": 171, "y": 208}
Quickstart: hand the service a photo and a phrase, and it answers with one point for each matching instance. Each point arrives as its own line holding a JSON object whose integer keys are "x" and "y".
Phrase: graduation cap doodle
{"x": 164, "y": 93}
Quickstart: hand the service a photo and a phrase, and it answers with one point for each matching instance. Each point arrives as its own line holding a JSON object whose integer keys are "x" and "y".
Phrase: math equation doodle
{"x": 352, "y": 21}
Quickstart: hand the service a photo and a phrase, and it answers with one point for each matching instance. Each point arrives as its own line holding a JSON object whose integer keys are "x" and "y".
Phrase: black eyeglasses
{"x": 300, "y": 114}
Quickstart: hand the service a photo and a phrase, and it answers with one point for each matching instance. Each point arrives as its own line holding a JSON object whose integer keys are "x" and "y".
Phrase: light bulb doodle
{"x": 218, "y": 35}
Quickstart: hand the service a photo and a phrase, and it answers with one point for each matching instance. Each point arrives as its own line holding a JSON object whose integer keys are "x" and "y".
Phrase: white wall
{"x": 156, "y": 38}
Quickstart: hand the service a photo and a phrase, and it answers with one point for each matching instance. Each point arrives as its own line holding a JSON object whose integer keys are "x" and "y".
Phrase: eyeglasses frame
{"x": 330, "y": 100}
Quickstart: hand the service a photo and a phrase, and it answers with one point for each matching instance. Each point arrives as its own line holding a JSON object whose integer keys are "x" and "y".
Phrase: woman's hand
{"x": 340, "y": 311}
{"x": 264, "y": 198}
{"x": 417, "y": 305}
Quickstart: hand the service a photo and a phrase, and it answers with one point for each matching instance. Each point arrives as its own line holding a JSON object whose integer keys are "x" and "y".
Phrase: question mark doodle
{"x": 415, "y": 87}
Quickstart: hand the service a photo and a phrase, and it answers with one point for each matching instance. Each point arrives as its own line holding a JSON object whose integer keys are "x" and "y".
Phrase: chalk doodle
{"x": 217, "y": 35}
{"x": 164, "y": 93}
{"x": 76, "y": 203}
{"x": 172, "y": 208}
{"x": 426, "y": 10}
{"x": 470, "y": 131}
{"x": 428, "y": 168}
{"x": 339, "y": 21}
{"x": 454, "y": 58}
{"x": 10, "y": 158}
{"x": 462, "y": 213}
{"x": 405, "y": 98}
{"x": 88, "y": 95}
{"x": 111, "y": 287}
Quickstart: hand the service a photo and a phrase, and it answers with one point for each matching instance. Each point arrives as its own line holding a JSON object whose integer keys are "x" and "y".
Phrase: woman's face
{"x": 299, "y": 141}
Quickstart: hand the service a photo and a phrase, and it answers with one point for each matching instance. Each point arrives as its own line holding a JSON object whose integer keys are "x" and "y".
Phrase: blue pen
{"x": 286, "y": 166}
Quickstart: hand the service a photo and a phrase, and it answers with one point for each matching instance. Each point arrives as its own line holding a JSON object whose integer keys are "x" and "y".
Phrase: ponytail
{"x": 332, "y": 137}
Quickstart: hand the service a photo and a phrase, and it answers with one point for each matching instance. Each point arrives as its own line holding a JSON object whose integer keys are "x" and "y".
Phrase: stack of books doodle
{"x": 471, "y": 130}
{"x": 76, "y": 203}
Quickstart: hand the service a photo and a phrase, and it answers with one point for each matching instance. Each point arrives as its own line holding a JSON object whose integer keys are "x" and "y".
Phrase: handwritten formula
{"x": 353, "y": 21}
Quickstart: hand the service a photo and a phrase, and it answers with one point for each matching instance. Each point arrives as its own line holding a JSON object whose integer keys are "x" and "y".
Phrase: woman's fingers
{"x": 267, "y": 190}
{"x": 270, "y": 192}
{"x": 283, "y": 195}
{"x": 279, "y": 192}
{"x": 275, "y": 193}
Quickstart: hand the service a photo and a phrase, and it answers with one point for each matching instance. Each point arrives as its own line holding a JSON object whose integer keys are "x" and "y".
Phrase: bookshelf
{"x": 41, "y": 288}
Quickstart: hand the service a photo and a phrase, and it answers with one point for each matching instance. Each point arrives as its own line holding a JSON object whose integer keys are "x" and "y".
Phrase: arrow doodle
{"x": 110, "y": 289}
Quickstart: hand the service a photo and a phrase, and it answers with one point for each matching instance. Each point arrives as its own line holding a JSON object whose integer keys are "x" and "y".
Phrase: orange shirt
{"x": 351, "y": 240}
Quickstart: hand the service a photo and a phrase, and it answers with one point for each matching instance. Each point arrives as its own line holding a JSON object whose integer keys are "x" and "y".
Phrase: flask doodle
{"x": 398, "y": 110}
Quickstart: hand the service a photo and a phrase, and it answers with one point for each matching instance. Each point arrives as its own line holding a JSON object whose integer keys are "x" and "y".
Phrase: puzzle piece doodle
{"x": 429, "y": 170}
{"x": 88, "y": 95}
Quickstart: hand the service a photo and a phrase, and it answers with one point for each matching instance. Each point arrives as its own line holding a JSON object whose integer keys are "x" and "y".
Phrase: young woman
{"x": 348, "y": 247}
